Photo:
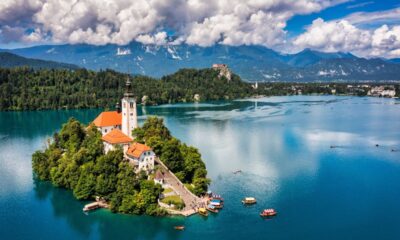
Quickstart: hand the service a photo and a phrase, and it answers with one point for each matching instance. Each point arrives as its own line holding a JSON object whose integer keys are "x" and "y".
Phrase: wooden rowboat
{"x": 179, "y": 228}
{"x": 268, "y": 213}
{"x": 249, "y": 200}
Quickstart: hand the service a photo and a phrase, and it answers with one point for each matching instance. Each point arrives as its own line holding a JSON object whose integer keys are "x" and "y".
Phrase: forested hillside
{"x": 13, "y": 60}
{"x": 29, "y": 89}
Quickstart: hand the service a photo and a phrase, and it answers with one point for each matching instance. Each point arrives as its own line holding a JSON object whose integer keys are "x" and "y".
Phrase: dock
{"x": 94, "y": 205}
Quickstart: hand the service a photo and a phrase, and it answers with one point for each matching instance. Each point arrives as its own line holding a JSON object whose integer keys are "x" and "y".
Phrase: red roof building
{"x": 116, "y": 137}
{"x": 105, "y": 119}
{"x": 137, "y": 149}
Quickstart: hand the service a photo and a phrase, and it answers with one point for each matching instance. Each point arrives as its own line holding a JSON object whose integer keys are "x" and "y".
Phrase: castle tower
{"x": 129, "y": 115}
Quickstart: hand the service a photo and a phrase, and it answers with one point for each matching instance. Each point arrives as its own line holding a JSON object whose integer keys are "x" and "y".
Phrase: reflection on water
{"x": 281, "y": 144}
{"x": 100, "y": 223}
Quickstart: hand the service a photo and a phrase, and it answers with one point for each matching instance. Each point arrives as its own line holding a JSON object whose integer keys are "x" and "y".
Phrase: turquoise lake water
{"x": 282, "y": 145}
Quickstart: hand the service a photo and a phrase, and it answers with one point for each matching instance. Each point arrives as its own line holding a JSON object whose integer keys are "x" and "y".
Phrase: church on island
{"x": 116, "y": 128}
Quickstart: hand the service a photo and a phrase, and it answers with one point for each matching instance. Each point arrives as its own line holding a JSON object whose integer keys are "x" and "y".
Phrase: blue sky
{"x": 367, "y": 28}
{"x": 297, "y": 24}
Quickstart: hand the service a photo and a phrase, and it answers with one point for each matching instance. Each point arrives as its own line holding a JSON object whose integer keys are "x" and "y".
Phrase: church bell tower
{"x": 129, "y": 115}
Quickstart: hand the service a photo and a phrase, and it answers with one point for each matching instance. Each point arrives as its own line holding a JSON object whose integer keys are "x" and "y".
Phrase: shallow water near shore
{"x": 281, "y": 145}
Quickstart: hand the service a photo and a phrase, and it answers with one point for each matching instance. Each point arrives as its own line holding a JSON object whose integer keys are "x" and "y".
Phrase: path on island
{"x": 192, "y": 202}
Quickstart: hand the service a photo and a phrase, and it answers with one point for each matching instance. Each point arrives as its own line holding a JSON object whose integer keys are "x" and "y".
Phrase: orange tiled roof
{"x": 136, "y": 149}
{"x": 116, "y": 136}
{"x": 105, "y": 119}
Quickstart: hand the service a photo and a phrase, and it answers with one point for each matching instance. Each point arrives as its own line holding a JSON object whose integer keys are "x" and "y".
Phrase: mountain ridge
{"x": 252, "y": 63}
{"x": 8, "y": 59}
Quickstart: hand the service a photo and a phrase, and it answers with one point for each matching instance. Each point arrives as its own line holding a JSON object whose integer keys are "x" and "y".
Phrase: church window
{"x": 131, "y": 104}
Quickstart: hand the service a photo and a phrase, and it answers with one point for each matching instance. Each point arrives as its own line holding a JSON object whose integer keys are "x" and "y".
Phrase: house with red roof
{"x": 141, "y": 156}
{"x": 114, "y": 139}
{"x": 108, "y": 121}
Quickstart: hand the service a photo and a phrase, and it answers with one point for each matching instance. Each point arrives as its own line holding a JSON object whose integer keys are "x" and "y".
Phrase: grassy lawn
{"x": 175, "y": 199}
{"x": 167, "y": 190}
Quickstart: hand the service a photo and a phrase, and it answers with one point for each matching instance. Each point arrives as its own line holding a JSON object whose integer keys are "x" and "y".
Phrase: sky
{"x": 366, "y": 28}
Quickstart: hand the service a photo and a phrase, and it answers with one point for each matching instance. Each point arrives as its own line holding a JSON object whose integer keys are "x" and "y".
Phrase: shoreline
{"x": 210, "y": 101}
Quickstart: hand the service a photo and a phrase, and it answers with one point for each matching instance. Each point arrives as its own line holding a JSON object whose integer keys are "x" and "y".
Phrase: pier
{"x": 99, "y": 203}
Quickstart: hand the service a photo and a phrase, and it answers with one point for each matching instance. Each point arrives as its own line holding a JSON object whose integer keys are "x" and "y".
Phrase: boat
{"x": 203, "y": 212}
{"x": 212, "y": 208}
{"x": 218, "y": 197}
{"x": 216, "y": 203}
{"x": 249, "y": 200}
{"x": 237, "y": 171}
{"x": 179, "y": 228}
{"x": 268, "y": 212}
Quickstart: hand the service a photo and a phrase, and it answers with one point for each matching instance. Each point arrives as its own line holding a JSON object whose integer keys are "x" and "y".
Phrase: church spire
{"x": 128, "y": 88}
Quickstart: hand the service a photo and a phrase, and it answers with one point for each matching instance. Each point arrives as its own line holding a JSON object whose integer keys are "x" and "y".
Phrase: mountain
{"x": 309, "y": 57}
{"x": 12, "y": 60}
{"x": 252, "y": 63}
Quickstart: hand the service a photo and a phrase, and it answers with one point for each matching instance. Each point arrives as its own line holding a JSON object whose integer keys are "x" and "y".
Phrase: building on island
{"x": 107, "y": 121}
{"x": 116, "y": 129}
{"x": 141, "y": 156}
{"x": 116, "y": 138}
{"x": 159, "y": 177}
{"x": 129, "y": 114}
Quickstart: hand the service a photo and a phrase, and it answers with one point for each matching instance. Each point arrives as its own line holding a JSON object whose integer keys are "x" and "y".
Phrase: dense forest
{"x": 24, "y": 88}
{"x": 74, "y": 159}
{"x": 28, "y": 89}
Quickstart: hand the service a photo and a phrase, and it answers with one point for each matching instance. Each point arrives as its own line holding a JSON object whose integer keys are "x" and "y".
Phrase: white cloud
{"x": 202, "y": 22}
{"x": 159, "y": 38}
{"x": 342, "y": 35}
{"x": 358, "y": 5}
{"x": 373, "y": 18}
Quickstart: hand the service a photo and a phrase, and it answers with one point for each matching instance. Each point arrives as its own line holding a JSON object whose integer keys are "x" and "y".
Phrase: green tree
{"x": 172, "y": 156}
{"x": 40, "y": 165}
{"x": 86, "y": 183}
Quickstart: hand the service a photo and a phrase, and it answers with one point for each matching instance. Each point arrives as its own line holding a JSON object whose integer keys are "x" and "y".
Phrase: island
{"x": 125, "y": 167}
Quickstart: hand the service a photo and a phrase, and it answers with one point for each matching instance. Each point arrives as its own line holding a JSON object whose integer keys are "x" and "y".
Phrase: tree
{"x": 40, "y": 165}
{"x": 72, "y": 135}
{"x": 156, "y": 143}
{"x": 93, "y": 143}
{"x": 200, "y": 185}
{"x": 106, "y": 169}
{"x": 86, "y": 183}
{"x": 172, "y": 156}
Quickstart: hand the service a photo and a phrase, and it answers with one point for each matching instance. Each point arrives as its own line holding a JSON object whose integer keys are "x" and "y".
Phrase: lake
{"x": 281, "y": 144}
